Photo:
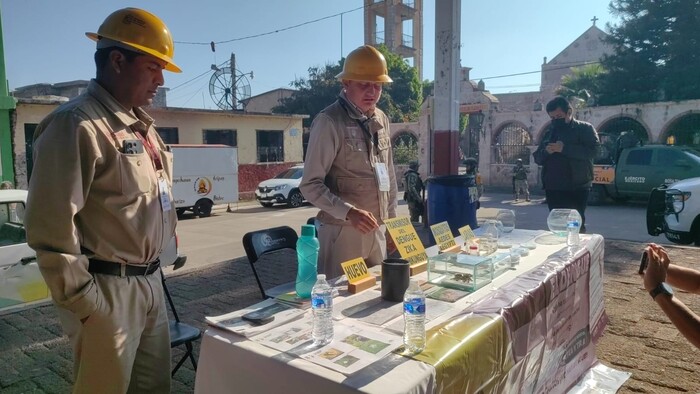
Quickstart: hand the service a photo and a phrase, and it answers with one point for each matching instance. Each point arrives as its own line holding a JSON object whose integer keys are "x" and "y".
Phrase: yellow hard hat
{"x": 141, "y": 31}
{"x": 365, "y": 63}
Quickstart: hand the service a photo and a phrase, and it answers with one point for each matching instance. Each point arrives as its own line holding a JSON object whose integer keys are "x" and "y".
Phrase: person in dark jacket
{"x": 566, "y": 154}
{"x": 520, "y": 180}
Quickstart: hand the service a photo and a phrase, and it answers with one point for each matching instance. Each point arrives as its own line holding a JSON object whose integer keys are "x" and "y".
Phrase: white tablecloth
{"x": 229, "y": 363}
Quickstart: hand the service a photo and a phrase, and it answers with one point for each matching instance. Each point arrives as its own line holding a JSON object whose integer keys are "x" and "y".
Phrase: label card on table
{"x": 355, "y": 270}
{"x": 467, "y": 233}
{"x": 443, "y": 236}
{"x": 358, "y": 275}
{"x": 407, "y": 242}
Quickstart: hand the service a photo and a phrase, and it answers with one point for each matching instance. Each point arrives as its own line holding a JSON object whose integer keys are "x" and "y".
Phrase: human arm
{"x": 66, "y": 154}
{"x": 683, "y": 278}
{"x": 585, "y": 146}
{"x": 660, "y": 270}
{"x": 324, "y": 146}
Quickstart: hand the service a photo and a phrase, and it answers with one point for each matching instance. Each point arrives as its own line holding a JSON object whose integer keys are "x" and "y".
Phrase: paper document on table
{"x": 234, "y": 323}
{"x": 368, "y": 307}
{"x": 352, "y": 348}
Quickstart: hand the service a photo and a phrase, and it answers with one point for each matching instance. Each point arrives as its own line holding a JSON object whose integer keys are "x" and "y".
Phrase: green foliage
{"x": 400, "y": 100}
{"x": 582, "y": 85}
{"x": 405, "y": 149}
{"x": 656, "y": 52}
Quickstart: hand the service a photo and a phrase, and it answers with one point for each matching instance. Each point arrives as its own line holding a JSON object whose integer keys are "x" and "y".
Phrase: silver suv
{"x": 282, "y": 189}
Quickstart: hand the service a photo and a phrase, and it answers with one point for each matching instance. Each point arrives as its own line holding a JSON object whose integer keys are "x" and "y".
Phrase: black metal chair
{"x": 261, "y": 242}
{"x": 180, "y": 333}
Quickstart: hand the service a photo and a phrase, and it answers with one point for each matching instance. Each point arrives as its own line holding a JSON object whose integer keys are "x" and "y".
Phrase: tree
{"x": 400, "y": 99}
{"x": 582, "y": 85}
{"x": 656, "y": 52}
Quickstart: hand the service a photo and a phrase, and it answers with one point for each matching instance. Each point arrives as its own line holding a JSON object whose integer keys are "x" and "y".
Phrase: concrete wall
{"x": 190, "y": 124}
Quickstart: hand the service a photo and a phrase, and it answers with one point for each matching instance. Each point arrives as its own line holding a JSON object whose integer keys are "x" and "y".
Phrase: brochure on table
{"x": 352, "y": 348}
{"x": 234, "y": 323}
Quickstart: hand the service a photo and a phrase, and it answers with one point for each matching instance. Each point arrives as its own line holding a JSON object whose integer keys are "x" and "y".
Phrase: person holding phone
{"x": 566, "y": 154}
{"x": 100, "y": 211}
{"x": 660, "y": 276}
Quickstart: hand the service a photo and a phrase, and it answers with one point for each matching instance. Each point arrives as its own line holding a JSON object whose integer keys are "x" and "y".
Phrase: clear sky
{"x": 45, "y": 43}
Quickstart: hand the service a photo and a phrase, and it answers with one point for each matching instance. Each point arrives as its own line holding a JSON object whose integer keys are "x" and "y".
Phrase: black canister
{"x": 395, "y": 276}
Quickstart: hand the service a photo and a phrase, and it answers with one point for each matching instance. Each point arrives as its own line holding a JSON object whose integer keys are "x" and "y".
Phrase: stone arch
{"x": 609, "y": 131}
{"x": 684, "y": 128}
{"x": 510, "y": 142}
{"x": 405, "y": 146}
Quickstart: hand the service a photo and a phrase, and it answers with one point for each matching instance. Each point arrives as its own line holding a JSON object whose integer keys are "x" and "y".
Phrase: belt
{"x": 119, "y": 269}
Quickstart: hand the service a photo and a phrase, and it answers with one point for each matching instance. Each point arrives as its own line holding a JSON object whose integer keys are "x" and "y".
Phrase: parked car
{"x": 282, "y": 189}
{"x": 675, "y": 212}
{"x": 21, "y": 283}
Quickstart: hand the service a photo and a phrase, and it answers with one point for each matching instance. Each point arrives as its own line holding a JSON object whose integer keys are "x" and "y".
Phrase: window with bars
{"x": 270, "y": 145}
{"x": 220, "y": 137}
{"x": 512, "y": 143}
{"x": 169, "y": 135}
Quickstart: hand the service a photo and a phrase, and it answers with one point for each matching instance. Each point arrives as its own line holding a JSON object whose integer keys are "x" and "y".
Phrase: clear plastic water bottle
{"x": 573, "y": 226}
{"x": 414, "y": 318}
{"x": 322, "y": 307}
{"x": 307, "y": 258}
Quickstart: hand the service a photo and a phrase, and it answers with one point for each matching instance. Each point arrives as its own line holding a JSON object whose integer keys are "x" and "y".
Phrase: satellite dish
{"x": 224, "y": 92}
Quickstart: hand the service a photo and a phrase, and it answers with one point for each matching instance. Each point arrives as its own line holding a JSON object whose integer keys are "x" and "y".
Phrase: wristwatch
{"x": 662, "y": 288}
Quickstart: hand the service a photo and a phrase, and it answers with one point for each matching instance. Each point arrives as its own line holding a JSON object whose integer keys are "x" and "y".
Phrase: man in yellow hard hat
{"x": 100, "y": 211}
{"x": 349, "y": 170}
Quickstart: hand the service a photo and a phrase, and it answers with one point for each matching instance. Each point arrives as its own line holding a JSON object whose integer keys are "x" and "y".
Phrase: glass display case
{"x": 460, "y": 271}
{"x": 501, "y": 263}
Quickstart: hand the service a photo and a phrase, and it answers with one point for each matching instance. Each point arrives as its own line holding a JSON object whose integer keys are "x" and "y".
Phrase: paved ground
{"x": 36, "y": 358}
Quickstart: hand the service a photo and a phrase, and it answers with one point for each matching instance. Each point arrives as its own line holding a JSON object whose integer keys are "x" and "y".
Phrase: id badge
{"x": 382, "y": 176}
{"x": 163, "y": 190}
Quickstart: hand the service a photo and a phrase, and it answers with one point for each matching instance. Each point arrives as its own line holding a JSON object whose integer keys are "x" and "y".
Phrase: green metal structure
{"x": 7, "y": 104}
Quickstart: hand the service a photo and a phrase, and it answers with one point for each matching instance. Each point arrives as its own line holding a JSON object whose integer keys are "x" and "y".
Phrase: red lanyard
{"x": 155, "y": 156}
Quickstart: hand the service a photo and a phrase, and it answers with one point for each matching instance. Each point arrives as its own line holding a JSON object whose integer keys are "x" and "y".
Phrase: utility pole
{"x": 7, "y": 104}
{"x": 234, "y": 101}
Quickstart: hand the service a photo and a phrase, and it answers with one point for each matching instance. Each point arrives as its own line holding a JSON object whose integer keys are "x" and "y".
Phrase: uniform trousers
{"x": 124, "y": 346}
{"x": 342, "y": 243}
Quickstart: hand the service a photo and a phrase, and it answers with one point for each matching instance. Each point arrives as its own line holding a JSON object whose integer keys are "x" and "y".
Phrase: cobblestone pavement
{"x": 36, "y": 358}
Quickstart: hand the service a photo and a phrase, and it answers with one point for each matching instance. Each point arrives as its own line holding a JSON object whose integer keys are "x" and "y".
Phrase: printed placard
{"x": 443, "y": 235}
{"x": 355, "y": 270}
{"x": 406, "y": 239}
{"x": 466, "y": 232}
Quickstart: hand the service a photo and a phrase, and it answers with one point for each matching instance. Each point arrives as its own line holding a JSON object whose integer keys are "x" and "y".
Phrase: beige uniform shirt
{"x": 339, "y": 168}
{"x": 89, "y": 199}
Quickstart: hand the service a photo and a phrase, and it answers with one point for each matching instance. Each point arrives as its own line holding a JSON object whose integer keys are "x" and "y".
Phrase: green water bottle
{"x": 307, "y": 257}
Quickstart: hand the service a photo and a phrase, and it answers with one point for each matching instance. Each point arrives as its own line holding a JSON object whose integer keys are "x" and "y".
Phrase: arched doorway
{"x": 512, "y": 143}
{"x": 611, "y": 130}
{"x": 684, "y": 130}
{"x": 405, "y": 147}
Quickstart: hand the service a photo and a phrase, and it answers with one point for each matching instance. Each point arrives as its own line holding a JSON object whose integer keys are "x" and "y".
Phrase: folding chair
{"x": 180, "y": 333}
{"x": 258, "y": 243}
{"x": 312, "y": 221}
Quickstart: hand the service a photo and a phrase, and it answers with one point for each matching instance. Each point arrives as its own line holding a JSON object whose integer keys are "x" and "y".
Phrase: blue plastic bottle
{"x": 307, "y": 257}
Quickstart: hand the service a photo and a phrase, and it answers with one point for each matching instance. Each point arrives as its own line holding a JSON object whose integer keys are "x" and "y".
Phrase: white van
{"x": 204, "y": 175}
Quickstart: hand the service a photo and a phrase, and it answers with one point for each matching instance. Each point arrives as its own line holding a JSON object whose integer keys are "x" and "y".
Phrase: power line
{"x": 563, "y": 66}
{"x": 270, "y": 32}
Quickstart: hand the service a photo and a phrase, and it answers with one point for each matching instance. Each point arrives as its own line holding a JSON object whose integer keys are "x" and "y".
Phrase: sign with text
{"x": 443, "y": 235}
{"x": 406, "y": 239}
{"x": 355, "y": 269}
{"x": 603, "y": 174}
{"x": 466, "y": 233}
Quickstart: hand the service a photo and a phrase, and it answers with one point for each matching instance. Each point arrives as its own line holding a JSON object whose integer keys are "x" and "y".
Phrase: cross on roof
{"x": 595, "y": 18}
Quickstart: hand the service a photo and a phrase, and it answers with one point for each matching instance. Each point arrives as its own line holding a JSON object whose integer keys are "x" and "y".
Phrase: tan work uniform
{"x": 88, "y": 199}
{"x": 339, "y": 174}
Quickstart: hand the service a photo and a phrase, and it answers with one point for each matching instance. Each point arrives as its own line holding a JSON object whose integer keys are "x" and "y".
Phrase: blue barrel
{"x": 452, "y": 198}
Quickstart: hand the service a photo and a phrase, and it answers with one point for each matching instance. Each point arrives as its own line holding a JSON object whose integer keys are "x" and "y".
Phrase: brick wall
{"x": 249, "y": 175}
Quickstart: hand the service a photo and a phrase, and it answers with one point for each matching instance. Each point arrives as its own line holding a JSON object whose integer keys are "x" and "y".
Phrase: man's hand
{"x": 555, "y": 147}
{"x": 656, "y": 269}
{"x": 390, "y": 245}
{"x": 362, "y": 220}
